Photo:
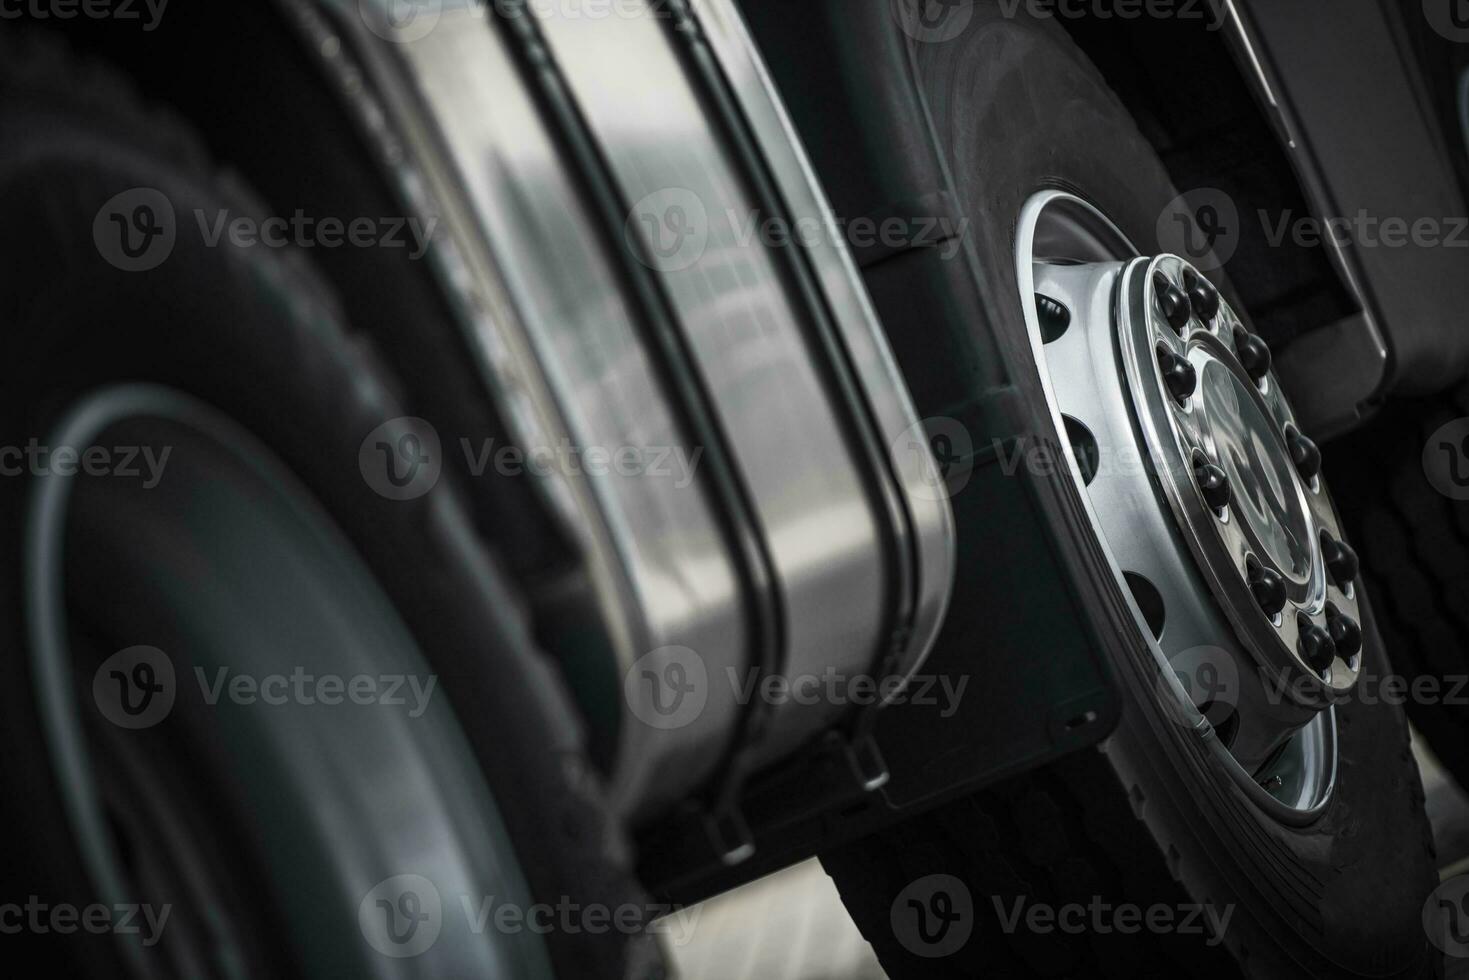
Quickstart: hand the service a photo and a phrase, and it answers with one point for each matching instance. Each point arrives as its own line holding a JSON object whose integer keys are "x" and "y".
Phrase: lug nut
{"x": 1341, "y": 560}
{"x": 1304, "y": 453}
{"x": 1266, "y": 586}
{"x": 1345, "y": 632}
{"x": 1173, "y": 302}
{"x": 1202, "y": 296}
{"x": 1316, "y": 645}
{"x": 1178, "y": 374}
{"x": 1213, "y": 483}
{"x": 1254, "y": 354}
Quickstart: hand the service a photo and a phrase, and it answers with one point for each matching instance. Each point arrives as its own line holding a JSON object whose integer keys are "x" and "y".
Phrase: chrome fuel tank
{"x": 646, "y": 271}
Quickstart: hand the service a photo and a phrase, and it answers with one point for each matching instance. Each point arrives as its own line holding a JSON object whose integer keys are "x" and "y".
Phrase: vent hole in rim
{"x": 1054, "y": 318}
{"x": 1149, "y": 600}
{"x": 1084, "y": 447}
{"x": 1225, "y": 720}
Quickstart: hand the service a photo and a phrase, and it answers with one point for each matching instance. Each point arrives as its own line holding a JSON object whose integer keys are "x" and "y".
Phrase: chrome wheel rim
{"x": 1230, "y": 588}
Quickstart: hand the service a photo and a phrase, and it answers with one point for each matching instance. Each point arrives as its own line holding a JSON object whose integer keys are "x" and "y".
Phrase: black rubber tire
{"x": 1149, "y": 816}
{"x": 1414, "y": 545}
{"x": 257, "y": 335}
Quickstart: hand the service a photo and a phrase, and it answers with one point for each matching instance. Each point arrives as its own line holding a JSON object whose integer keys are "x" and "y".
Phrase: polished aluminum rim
{"x": 1204, "y": 494}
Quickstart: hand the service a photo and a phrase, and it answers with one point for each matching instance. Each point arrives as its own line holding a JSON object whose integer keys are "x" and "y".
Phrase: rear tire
{"x": 1151, "y": 816}
{"x": 1414, "y": 542}
{"x": 255, "y": 338}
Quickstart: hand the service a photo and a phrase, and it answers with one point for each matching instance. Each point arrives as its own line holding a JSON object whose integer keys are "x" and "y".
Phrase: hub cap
{"x": 1205, "y": 494}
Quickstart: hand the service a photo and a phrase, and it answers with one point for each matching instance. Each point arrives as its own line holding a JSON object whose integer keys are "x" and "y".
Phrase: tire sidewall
{"x": 1016, "y": 110}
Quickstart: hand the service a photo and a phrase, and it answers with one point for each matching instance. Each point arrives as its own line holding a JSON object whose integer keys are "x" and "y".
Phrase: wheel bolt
{"x": 1173, "y": 301}
{"x": 1266, "y": 586}
{"x": 1345, "y": 632}
{"x": 1305, "y": 453}
{"x": 1203, "y": 297}
{"x": 1213, "y": 483}
{"x": 1254, "y": 354}
{"x": 1316, "y": 646}
{"x": 1341, "y": 560}
{"x": 1178, "y": 374}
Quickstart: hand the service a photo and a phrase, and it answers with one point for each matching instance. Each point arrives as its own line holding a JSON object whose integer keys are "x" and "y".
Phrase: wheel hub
{"x": 1207, "y": 500}
{"x": 1257, "y": 465}
{"x": 1237, "y": 421}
